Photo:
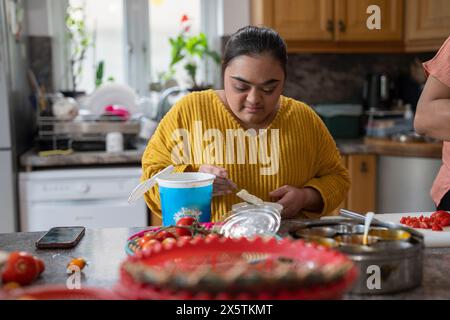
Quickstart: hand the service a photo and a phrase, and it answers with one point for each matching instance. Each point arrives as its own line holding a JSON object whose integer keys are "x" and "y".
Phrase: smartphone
{"x": 61, "y": 237}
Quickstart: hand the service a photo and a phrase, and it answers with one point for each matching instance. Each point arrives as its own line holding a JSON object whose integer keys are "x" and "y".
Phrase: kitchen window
{"x": 131, "y": 37}
{"x": 104, "y": 20}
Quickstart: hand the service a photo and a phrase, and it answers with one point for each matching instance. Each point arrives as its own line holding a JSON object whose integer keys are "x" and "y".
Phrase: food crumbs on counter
{"x": 76, "y": 264}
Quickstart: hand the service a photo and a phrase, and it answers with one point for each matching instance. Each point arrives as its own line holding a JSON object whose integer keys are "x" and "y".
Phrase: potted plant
{"x": 78, "y": 41}
{"x": 190, "y": 50}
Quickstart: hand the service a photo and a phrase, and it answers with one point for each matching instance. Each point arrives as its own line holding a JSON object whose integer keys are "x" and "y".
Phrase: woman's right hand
{"x": 222, "y": 185}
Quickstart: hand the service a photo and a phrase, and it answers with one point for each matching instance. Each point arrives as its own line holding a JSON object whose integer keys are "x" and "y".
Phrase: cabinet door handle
{"x": 364, "y": 167}
{"x": 330, "y": 26}
{"x": 342, "y": 26}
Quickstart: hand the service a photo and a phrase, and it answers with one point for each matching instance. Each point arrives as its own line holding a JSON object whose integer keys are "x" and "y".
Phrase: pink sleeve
{"x": 439, "y": 66}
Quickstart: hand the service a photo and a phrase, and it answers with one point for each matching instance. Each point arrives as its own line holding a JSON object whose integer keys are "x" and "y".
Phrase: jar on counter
{"x": 247, "y": 220}
{"x": 114, "y": 142}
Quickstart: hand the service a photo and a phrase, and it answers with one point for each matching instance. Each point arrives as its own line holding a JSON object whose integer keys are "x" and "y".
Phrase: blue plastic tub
{"x": 185, "y": 194}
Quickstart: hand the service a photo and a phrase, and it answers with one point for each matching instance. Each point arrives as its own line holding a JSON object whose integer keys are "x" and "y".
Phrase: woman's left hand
{"x": 295, "y": 199}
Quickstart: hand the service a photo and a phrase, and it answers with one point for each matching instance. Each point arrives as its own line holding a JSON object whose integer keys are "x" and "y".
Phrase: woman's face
{"x": 253, "y": 85}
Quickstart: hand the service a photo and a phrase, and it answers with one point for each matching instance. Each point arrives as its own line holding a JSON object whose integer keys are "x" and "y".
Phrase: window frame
{"x": 136, "y": 43}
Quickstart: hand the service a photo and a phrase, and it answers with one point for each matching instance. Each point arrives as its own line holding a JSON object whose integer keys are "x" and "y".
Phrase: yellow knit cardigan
{"x": 296, "y": 149}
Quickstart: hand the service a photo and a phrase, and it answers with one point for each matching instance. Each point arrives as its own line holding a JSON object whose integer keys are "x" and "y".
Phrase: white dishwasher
{"x": 94, "y": 198}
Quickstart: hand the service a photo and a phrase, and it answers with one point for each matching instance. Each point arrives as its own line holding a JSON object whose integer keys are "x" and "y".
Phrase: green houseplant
{"x": 78, "y": 42}
{"x": 189, "y": 50}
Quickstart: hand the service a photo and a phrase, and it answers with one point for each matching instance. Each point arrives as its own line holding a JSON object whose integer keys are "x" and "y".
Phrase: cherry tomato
{"x": 160, "y": 236}
{"x": 149, "y": 236}
{"x": 183, "y": 239}
{"x": 168, "y": 242}
{"x": 40, "y": 265}
{"x": 21, "y": 267}
{"x": 186, "y": 221}
{"x": 182, "y": 232}
{"x": 212, "y": 236}
{"x": 149, "y": 244}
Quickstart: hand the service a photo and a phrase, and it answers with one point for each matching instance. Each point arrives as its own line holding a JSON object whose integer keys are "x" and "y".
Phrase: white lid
{"x": 186, "y": 180}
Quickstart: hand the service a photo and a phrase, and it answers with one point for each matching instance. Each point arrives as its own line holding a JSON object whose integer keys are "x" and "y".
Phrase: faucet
{"x": 163, "y": 100}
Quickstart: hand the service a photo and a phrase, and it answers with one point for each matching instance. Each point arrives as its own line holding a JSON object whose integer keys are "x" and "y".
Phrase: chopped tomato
{"x": 435, "y": 222}
{"x": 39, "y": 264}
{"x": 79, "y": 262}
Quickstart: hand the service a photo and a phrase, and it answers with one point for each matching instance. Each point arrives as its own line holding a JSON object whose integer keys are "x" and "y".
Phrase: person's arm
{"x": 327, "y": 189}
{"x": 159, "y": 153}
{"x": 295, "y": 199}
{"x": 332, "y": 180}
{"x": 433, "y": 110}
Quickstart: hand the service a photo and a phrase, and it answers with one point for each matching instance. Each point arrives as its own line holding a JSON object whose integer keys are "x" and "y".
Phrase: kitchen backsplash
{"x": 339, "y": 78}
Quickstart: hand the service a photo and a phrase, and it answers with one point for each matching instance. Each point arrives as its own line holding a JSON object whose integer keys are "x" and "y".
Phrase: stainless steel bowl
{"x": 326, "y": 232}
{"x": 326, "y": 242}
{"x": 385, "y": 266}
{"x": 355, "y": 240}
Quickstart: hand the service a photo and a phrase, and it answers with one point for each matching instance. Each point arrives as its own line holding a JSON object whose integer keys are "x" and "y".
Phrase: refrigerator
{"x": 17, "y": 117}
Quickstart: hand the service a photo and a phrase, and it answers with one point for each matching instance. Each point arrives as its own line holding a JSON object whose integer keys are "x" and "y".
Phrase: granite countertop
{"x": 31, "y": 159}
{"x": 104, "y": 251}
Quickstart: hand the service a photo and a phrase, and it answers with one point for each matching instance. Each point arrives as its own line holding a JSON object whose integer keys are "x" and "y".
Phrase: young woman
{"x": 251, "y": 137}
{"x": 433, "y": 119}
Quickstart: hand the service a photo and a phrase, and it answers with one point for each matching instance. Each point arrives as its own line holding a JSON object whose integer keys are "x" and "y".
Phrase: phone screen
{"x": 61, "y": 236}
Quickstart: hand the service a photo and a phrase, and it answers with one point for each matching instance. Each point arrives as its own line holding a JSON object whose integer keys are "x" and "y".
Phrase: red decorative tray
{"x": 291, "y": 269}
{"x": 59, "y": 292}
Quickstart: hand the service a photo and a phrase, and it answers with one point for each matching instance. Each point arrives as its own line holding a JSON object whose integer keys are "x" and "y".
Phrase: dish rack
{"x": 60, "y": 134}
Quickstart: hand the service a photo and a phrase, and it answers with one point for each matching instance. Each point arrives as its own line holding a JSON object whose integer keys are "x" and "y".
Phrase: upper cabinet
{"x": 341, "y": 25}
{"x": 351, "y": 20}
{"x": 427, "y": 24}
{"x": 331, "y": 25}
{"x": 304, "y": 19}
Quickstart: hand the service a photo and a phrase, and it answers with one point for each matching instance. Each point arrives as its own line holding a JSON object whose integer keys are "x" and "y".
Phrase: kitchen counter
{"x": 31, "y": 159}
{"x": 386, "y": 147}
{"x": 104, "y": 251}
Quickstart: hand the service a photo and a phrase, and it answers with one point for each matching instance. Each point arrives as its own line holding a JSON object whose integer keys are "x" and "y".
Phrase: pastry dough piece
{"x": 247, "y": 197}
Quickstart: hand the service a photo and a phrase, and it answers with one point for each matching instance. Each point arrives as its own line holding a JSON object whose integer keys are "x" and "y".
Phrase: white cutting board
{"x": 432, "y": 239}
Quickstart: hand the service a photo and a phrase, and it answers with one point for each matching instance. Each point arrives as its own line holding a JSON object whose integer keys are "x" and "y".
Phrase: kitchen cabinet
{"x": 332, "y": 25}
{"x": 363, "y": 176}
{"x": 351, "y": 20}
{"x": 427, "y": 24}
{"x": 304, "y": 19}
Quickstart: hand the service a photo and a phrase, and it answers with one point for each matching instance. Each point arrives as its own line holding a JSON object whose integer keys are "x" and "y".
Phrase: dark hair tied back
{"x": 252, "y": 41}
